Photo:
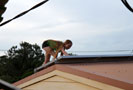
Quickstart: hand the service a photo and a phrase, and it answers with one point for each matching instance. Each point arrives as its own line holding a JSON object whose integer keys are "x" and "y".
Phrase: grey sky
{"x": 92, "y": 25}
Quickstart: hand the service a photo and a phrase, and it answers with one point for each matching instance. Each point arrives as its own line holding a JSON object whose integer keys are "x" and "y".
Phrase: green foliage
{"x": 20, "y": 62}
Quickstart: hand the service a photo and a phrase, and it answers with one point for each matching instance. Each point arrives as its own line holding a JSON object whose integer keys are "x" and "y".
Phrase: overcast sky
{"x": 92, "y": 25}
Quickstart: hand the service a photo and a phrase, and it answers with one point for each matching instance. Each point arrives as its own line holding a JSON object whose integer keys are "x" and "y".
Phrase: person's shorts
{"x": 45, "y": 44}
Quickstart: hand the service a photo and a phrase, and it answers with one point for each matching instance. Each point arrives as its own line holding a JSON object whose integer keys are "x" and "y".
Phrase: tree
{"x": 20, "y": 62}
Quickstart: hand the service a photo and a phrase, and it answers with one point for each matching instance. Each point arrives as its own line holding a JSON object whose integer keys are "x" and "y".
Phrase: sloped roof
{"x": 115, "y": 70}
{"x": 7, "y": 86}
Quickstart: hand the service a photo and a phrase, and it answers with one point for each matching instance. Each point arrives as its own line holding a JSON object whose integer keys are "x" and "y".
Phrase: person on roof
{"x": 53, "y": 47}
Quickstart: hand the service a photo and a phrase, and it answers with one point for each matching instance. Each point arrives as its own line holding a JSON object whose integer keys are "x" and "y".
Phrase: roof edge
{"x": 86, "y": 59}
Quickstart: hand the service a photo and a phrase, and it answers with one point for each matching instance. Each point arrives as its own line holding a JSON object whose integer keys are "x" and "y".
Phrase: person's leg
{"x": 47, "y": 58}
{"x": 53, "y": 54}
{"x": 47, "y": 54}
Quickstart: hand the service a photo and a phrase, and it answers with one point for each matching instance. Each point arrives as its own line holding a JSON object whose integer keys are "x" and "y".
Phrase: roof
{"x": 88, "y": 59}
{"x": 115, "y": 70}
{"x": 7, "y": 86}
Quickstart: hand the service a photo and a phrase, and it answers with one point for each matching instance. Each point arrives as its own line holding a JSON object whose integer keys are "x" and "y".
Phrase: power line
{"x": 93, "y": 52}
{"x": 127, "y": 5}
{"x": 23, "y": 13}
{"x": 105, "y": 51}
{"x": 41, "y": 3}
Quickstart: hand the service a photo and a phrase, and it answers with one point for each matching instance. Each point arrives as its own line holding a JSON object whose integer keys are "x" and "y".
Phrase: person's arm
{"x": 56, "y": 53}
{"x": 61, "y": 54}
{"x": 64, "y": 52}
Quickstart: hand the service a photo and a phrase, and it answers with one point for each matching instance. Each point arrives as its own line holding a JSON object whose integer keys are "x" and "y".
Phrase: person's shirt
{"x": 55, "y": 45}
